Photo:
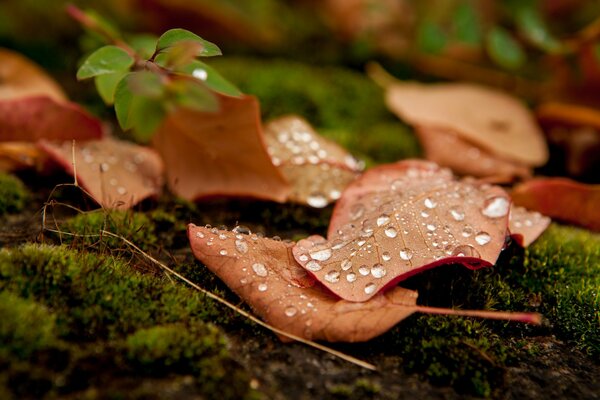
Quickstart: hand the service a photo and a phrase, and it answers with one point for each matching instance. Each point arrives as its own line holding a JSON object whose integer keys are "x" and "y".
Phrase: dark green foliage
{"x": 13, "y": 194}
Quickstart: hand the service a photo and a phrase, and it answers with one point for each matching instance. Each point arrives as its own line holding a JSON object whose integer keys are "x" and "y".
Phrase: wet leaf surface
{"x": 116, "y": 173}
{"x": 526, "y": 226}
{"x": 219, "y": 154}
{"x": 318, "y": 169}
{"x": 399, "y": 219}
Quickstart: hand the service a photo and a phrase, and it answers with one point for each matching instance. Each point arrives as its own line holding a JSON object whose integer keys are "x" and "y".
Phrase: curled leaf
{"x": 399, "y": 219}
{"x": 488, "y": 118}
{"x": 116, "y": 173}
{"x": 219, "y": 154}
{"x": 317, "y": 168}
{"x": 526, "y": 226}
{"x": 562, "y": 199}
{"x": 448, "y": 149}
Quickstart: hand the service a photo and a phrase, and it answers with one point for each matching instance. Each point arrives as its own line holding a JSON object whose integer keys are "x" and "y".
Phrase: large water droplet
{"x": 290, "y": 311}
{"x": 332, "y": 276}
{"x": 386, "y": 256}
{"x": 241, "y": 229}
{"x": 483, "y": 238}
{"x": 383, "y": 219}
{"x": 241, "y": 246}
{"x": 457, "y": 215}
{"x": 495, "y": 207}
{"x": 320, "y": 255}
{"x": 378, "y": 271}
{"x": 391, "y": 232}
{"x": 430, "y": 203}
{"x": 370, "y": 288}
{"x": 363, "y": 270}
{"x": 313, "y": 266}
{"x": 262, "y": 287}
{"x": 357, "y": 211}
{"x": 465, "y": 250}
{"x": 406, "y": 254}
{"x": 351, "y": 277}
{"x": 317, "y": 200}
{"x": 259, "y": 269}
{"x": 346, "y": 265}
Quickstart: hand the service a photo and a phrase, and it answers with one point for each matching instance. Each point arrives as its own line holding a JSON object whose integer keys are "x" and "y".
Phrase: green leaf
{"x": 146, "y": 83}
{"x": 174, "y": 36}
{"x": 106, "y": 85}
{"x": 431, "y": 38}
{"x": 143, "y": 44}
{"x": 147, "y": 115}
{"x": 466, "y": 25}
{"x": 533, "y": 27}
{"x": 504, "y": 49}
{"x": 105, "y": 60}
{"x": 136, "y": 107}
{"x": 192, "y": 94}
{"x": 211, "y": 78}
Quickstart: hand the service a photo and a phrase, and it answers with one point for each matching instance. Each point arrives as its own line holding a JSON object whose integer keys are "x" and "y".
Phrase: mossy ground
{"x": 84, "y": 316}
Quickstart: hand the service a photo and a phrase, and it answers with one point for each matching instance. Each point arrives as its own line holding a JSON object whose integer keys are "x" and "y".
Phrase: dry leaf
{"x": 526, "y": 226}
{"x": 448, "y": 149}
{"x": 399, "y": 219}
{"x": 488, "y": 118}
{"x": 562, "y": 199}
{"x": 219, "y": 154}
{"x": 116, "y": 173}
{"x": 19, "y": 155}
{"x": 317, "y": 168}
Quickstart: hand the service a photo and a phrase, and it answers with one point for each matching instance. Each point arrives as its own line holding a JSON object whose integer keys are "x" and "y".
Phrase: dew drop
{"x": 386, "y": 256}
{"x": 467, "y": 231}
{"x": 313, "y": 266}
{"x": 303, "y": 258}
{"x": 317, "y": 200}
{"x": 259, "y": 269}
{"x": 241, "y": 229}
{"x": 223, "y": 252}
{"x": 262, "y": 287}
{"x": 378, "y": 271}
{"x": 241, "y": 246}
{"x": 406, "y": 254}
{"x": 351, "y": 277}
{"x": 431, "y": 227}
{"x": 465, "y": 250}
{"x": 363, "y": 270}
{"x": 457, "y": 215}
{"x": 199, "y": 235}
{"x": 495, "y": 207}
{"x": 243, "y": 281}
{"x": 383, "y": 219}
{"x": 320, "y": 255}
{"x": 222, "y": 236}
{"x": 360, "y": 243}
{"x": 121, "y": 190}
{"x": 357, "y": 211}
{"x": 290, "y": 311}
{"x": 370, "y": 288}
{"x": 391, "y": 232}
{"x": 346, "y": 265}
{"x": 424, "y": 214}
{"x": 430, "y": 203}
{"x": 483, "y": 238}
{"x": 332, "y": 276}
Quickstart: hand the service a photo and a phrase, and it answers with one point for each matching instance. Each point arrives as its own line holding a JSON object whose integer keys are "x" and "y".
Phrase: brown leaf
{"x": 317, "y": 168}
{"x": 561, "y": 198}
{"x": 264, "y": 274}
{"x": 19, "y": 155}
{"x": 526, "y": 226}
{"x": 116, "y": 173}
{"x": 448, "y": 149}
{"x": 488, "y": 118}
{"x": 399, "y": 219}
{"x": 219, "y": 154}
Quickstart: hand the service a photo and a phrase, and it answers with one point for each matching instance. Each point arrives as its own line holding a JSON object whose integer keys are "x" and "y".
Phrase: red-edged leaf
{"x": 561, "y": 198}
{"x": 490, "y": 119}
{"x": 526, "y": 226}
{"x": 317, "y": 168}
{"x": 448, "y": 149}
{"x": 263, "y": 273}
{"x": 399, "y": 219}
{"x": 219, "y": 154}
{"x": 116, "y": 173}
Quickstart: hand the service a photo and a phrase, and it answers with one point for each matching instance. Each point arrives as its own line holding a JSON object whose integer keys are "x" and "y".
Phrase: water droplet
{"x": 260, "y": 269}
{"x": 424, "y": 214}
{"x": 199, "y": 235}
{"x": 406, "y": 254}
{"x": 431, "y": 227}
{"x": 223, "y": 252}
{"x": 313, "y": 266}
{"x": 317, "y": 200}
{"x": 391, "y": 232}
{"x": 363, "y": 270}
{"x": 320, "y": 255}
{"x": 241, "y": 246}
{"x": 290, "y": 311}
{"x": 457, "y": 214}
{"x": 495, "y": 207}
{"x": 200, "y": 73}
{"x": 378, "y": 271}
{"x": 262, "y": 287}
{"x": 332, "y": 276}
{"x": 351, "y": 277}
{"x": 222, "y": 236}
{"x": 121, "y": 190}
{"x": 397, "y": 184}
{"x": 383, "y": 219}
{"x": 483, "y": 238}
{"x": 386, "y": 256}
{"x": 346, "y": 265}
{"x": 430, "y": 203}
{"x": 104, "y": 167}
{"x": 361, "y": 242}
{"x": 467, "y": 231}
{"x": 357, "y": 211}
{"x": 335, "y": 194}
{"x": 241, "y": 229}
{"x": 303, "y": 258}
{"x": 465, "y": 250}
{"x": 370, "y": 288}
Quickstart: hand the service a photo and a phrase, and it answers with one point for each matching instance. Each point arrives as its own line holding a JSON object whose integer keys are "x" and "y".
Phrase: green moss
{"x": 13, "y": 194}
{"x": 340, "y": 103}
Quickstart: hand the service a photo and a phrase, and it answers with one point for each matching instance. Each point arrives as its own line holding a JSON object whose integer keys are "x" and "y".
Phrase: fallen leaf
{"x": 399, "y": 219}
{"x": 317, "y": 168}
{"x": 448, "y": 149}
{"x": 562, "y": 199}
{"x": 219, "y": 154}
{"x": 526, "y": 226}
{"x": 490, "y": 119}
{"x": 18, "y": 155}
{"x": 265, "y": 275}
{"x": 117, "y": 174}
